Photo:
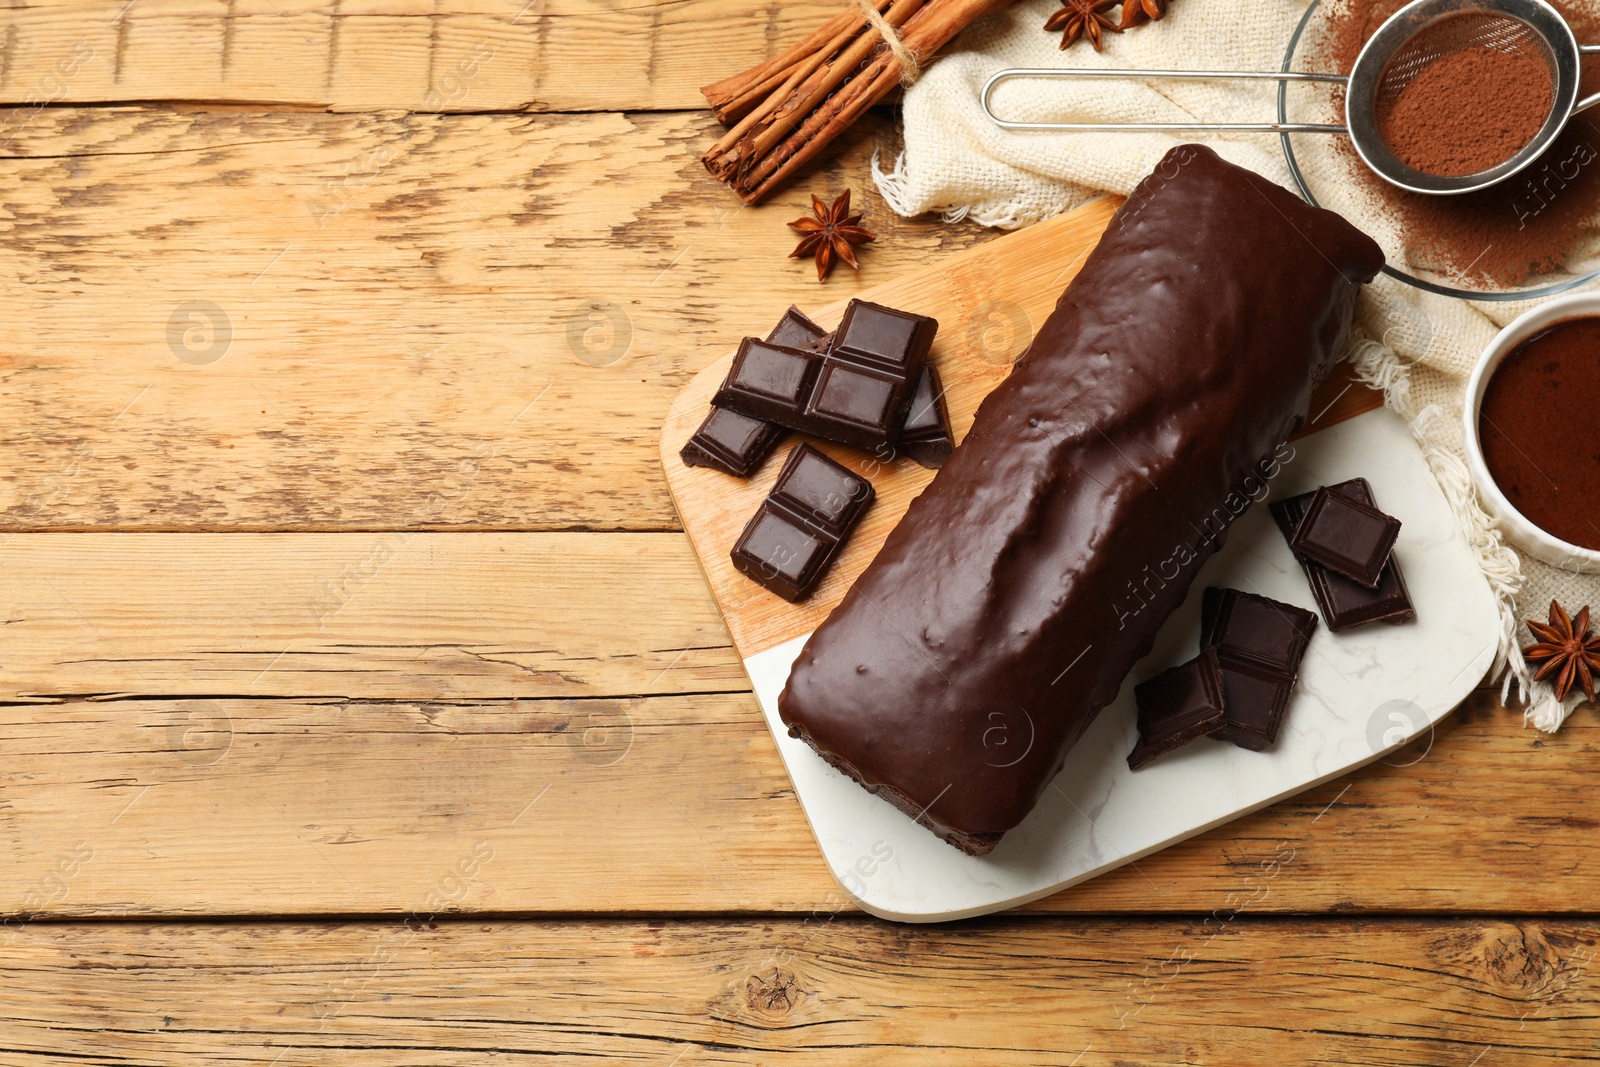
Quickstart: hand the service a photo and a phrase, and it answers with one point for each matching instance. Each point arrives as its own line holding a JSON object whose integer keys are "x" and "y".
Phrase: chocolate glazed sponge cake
{"x": 1036, "y": 568}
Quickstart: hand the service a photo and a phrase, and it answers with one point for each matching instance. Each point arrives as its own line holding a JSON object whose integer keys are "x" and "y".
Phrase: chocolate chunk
{"x": 1255, "y": 629}
{"x": 1346, "y": 536}
{"x": 1259, "y": 643}
{"x": 1345, "y": 604}
{"x": 795, "y": 330}
{"x": 738, "y": 444}
{"x": 1254, "y": 701}
{"x": 799, "y": 528}
{"x": 856, "y": 391}
{"x": 1177, "y": 706}
{"x": 1022, "y": 577}
{"x": 926, "y": 437}
{"x": 768, "y": 380}
{"x": 731, "y": 442}
{"x": 874, "y": 334}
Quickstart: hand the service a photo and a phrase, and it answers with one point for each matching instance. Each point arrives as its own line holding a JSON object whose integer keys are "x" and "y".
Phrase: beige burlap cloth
{"x": 1417, "y": 347}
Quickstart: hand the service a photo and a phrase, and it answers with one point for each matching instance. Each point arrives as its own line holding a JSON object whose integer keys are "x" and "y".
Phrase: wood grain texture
{"x": 425, "y": 316}
{"x": 358, "y": 616}
{"x": 679, "y": 804}
{"x": 417, "y": 55}
{"x": 1220, "y": 989}
{"x": 470, "y": 322}
{"x": 989, "y": 302}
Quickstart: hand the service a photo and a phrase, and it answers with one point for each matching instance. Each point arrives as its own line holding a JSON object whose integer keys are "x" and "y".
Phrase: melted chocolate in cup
{"x": 1534, "y": 425}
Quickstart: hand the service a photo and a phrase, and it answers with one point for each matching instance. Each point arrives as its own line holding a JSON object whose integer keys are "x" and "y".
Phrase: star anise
{"x": 1566, "y": 650}
{"x": 1138, "y": 12}
{"x": 1083, "y": 18}
{"x": 831, "y": 235}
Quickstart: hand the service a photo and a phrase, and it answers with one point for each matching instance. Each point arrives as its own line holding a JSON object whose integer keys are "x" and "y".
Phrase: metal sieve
{"x": 1385, "y": 66}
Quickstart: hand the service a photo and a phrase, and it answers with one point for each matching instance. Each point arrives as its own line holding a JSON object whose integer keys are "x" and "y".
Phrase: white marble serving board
{"x": 1362, "y": 693}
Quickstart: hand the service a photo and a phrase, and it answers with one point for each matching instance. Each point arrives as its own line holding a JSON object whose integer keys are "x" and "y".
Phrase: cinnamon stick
{"x": 786, "y": 110}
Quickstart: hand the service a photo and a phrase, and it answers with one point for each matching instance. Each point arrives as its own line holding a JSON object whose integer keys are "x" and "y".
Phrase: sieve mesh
{"x": 1457, "y": 33}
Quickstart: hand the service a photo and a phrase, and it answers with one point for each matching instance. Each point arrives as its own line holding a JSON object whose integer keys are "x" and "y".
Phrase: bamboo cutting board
{"x": 989, "y": 301}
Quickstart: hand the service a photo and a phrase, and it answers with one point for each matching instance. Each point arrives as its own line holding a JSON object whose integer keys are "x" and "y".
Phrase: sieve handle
{"x": 1592, "y": 100}
{"x": 1179, "y": 75}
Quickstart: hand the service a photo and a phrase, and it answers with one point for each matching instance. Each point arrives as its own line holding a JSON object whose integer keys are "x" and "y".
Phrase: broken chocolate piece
{"x": 926, "y": 437}
{"x": 733, "y": 443}
{"x": 1346, "y": 536}
{"x": 795, "y": 330}
{"x": 1254, "y": 701}
{"x": 799, "y": 528}
{"x": 738, "y": 444}
{"x": 856, "y": 391}
{"x": 1177, "y": 706}
{"x": 1255, "y": 629}
{"x": 768, "y": 380}
{"x": 1345, "y": 604}
{"x": 1259, "y": 643}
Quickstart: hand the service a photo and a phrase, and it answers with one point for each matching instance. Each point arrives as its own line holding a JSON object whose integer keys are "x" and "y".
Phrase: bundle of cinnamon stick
{"x": 784, "y": 111}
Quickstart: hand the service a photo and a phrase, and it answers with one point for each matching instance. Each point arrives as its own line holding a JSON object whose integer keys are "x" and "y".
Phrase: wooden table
{"x": 364, "y": 705}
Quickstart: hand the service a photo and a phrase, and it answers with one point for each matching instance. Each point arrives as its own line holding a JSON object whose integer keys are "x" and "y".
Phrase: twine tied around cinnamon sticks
{"x": 910, "y": 69}
{"x": 781, "y": 113}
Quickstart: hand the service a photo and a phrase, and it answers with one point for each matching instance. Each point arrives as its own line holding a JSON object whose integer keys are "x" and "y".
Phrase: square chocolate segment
{"x": 1177, "y": 706}
{"x": 767, "y": 378}
{"x": 733, "y": 443}
{"x": 1259, "y": 643}
{"x": 1346, "y": 536}
{"x": 1254, "y": 701}
{"x": 852, "y": 398}
{"x": 821, "y": 491}
{"x": 800, "y": 527}
{"x": 855, "y": 389}
{"x": 926, "y": 436}
{"x": 1255, "y": 629}
{"x": 1345, "y": 604}
{"x": 781, "y": 554}
{"x": 872, "y": 333}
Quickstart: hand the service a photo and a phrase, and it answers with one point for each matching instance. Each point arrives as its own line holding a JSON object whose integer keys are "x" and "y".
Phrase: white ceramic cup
{"x": 1518, "y": 529}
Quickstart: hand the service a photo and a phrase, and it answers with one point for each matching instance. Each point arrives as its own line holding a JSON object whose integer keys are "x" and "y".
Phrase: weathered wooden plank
{"x": 367, "y": 55}
{"x": 389, "y": 644}
{"x": 213, "y": 806}
{"x": 1222, "y": 989}
{"x": 679, "y": 804}
{"x": 307, "y": 321}
{"x": 360, "y": 615}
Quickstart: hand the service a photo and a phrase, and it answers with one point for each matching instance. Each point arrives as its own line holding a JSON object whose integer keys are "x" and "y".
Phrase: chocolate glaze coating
{"x": 1036, "y": 568}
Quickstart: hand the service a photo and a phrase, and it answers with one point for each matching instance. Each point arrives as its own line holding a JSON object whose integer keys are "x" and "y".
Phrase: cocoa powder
{"x": 1502, "y": 237}
{"x": 1467, "y": 110}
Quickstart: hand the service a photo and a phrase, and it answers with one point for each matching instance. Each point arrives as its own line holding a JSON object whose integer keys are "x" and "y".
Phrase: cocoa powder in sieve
{"x": 1505, "y": 236}
{"x": 1466, "y": 111}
